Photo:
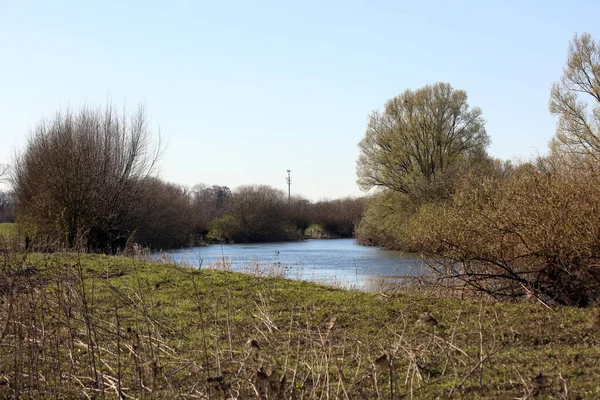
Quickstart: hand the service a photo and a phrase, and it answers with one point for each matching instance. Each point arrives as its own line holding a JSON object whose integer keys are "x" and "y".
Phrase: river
{"x": 339, "y": 262}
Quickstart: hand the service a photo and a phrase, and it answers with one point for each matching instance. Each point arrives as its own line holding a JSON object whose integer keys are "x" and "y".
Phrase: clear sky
{"x": 244, "y": 90}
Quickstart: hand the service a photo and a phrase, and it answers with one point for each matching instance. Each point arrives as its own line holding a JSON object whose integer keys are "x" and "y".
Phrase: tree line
{"x": 261, "y": 213}
{"x": 87, "y": 178}
{"x": 508, "y": 229}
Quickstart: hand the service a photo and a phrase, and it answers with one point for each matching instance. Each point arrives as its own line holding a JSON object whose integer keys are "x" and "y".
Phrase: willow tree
{"x": 419, "y": 136}
{"x": 578, "y": 129}
{"x": 81, "y": 173}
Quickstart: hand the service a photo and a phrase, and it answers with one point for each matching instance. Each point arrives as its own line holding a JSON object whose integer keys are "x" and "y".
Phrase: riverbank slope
{"x": 73, "y": 325}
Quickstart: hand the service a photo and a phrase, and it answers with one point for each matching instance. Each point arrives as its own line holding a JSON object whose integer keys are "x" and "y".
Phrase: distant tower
{"x": 289, "y": 182}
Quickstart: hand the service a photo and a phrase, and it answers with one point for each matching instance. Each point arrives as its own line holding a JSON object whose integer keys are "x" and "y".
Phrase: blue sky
{"x": 241, "y": 91}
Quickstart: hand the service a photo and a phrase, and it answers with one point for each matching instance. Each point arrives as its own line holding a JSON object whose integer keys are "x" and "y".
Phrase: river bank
{"x": 89, "y": 325}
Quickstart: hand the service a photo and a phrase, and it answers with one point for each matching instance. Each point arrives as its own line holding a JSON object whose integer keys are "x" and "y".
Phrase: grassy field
{"x": 99, "y": 326}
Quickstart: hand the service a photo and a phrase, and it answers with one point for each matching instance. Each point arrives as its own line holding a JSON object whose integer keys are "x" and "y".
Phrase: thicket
{"x": 511, "y": 231}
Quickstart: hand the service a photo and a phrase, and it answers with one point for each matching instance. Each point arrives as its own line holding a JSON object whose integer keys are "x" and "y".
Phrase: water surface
{"x": 333, "y": 261}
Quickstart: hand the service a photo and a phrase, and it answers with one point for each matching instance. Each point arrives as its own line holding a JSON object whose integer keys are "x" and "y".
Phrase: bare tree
{"x": 81, "y": 174}
{"x": 578, "y": 129}
{"x": 3, "y": 173}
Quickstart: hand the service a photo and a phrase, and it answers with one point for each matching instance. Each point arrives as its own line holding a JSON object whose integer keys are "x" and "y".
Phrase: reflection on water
{"x": 333, "y": 261}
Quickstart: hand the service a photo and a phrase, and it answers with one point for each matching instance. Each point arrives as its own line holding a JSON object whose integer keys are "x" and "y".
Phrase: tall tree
{"x": 578, "y": 129}
{"x": 419, "y": 135}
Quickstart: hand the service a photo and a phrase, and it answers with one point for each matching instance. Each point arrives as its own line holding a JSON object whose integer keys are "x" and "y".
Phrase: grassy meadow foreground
{"x": 92, "y": 326}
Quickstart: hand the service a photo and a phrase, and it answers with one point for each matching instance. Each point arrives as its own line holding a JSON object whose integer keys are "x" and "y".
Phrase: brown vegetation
{"x": 85, "y": 179}
{"x": 162, "y": 217}
{"x": 535, "y": 233}
{"x": 338, "y": 217}
{"x": 81, "y": 174}
{"x": 529, "y": 230}
{"x": 260, "y": 212}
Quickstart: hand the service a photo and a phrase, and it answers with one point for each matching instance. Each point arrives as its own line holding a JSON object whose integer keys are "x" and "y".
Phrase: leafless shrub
{"x": 578, "y": 135}
{"x": 533, "y": 234}
{"x": 338, "y": 217}
{"x": 161, "y": 218}
{"x": 82, "y": 172}
{"x": 261, "y": 212}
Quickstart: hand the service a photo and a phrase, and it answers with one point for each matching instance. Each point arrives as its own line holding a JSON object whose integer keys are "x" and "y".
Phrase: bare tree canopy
{"x": 420, "y": 133}
{"x": 81, "y": 172}
{"x": 578, "y": 129}
{"x": 3, "y": 172}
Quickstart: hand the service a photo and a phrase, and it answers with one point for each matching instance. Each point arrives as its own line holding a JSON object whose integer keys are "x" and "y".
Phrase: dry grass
{"x": 82, "y": 326}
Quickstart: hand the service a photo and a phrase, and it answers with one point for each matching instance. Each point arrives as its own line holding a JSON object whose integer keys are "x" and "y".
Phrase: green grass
{"x": 8, "y": 229}
{"x": 214, "y": 334}
{"x": 314, "y": 231}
